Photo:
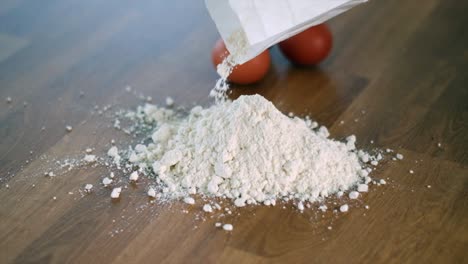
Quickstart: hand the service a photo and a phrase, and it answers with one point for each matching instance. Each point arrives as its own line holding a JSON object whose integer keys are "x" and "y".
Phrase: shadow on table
{"x": 306, "y": 91}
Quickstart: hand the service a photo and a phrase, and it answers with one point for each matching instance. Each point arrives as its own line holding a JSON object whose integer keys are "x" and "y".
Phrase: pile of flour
{"x": 244, "y": 150}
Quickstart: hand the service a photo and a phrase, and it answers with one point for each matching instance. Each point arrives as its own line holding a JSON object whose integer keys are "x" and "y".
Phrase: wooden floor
{"x": 398, "y": 76}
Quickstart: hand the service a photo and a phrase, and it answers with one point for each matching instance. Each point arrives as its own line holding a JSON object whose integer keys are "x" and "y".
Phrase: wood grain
{"x": 396, "y": 77}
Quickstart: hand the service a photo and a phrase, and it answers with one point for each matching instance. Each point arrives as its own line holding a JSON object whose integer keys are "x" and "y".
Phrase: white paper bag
{"x": 249, "y": 27}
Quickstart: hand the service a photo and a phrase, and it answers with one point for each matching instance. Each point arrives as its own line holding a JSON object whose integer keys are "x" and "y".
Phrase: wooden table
{"x": 398, "y": 76}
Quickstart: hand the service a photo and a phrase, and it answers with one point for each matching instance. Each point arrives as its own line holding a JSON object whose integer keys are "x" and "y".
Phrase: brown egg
{"x": 309, "y": 47}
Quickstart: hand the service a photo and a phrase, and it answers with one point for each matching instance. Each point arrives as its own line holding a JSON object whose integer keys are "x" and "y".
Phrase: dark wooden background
{"x": 404, "y": 63}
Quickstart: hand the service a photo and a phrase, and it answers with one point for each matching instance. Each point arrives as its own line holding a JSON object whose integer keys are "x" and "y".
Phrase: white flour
{"x": 246, "y": 151}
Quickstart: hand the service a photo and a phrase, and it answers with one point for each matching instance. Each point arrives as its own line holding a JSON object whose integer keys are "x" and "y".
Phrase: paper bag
{"x": 249, "y": 27}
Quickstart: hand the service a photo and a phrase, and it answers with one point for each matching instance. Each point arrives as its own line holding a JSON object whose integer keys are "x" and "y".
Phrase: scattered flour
{"x": 207, "y": 208}
{"x": 89, "y": 158}
{"x": 228, "y": 227}
{"x": 353, "y": 195}
{"x": 189, "y": 200}
{"x": 106, "y": 181}
{"x": 113, "y": 152}
{"x": 88, "y": 187}
{"x": 323, "y": 208}
{"x": 344, "y": 208}
{"x": 151, "y": 192}
{"x": 363, "y": 188}
{"x": 116, "y": 193}
{"x": 169, "y": 101}
{"x": 300, "y": 206}
{"x": 134, "y": 176}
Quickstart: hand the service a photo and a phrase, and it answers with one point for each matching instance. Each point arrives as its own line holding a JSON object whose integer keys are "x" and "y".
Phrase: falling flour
{"x": 239, "y": 44}
{"x": 244, "y": 150}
